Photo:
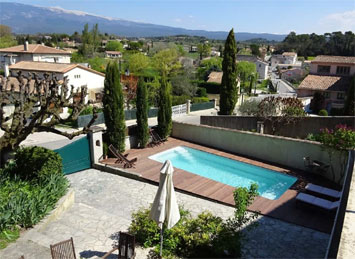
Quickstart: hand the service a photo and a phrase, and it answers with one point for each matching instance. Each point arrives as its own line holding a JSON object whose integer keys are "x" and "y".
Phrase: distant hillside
{"x": 33, "y": 19}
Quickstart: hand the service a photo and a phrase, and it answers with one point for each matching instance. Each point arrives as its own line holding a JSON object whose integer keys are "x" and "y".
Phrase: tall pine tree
{"x": 113, "y": 102}
{"x": 142, "y": 114}
{"x": 164, "y": 112}
{"x": 229, "y": 89}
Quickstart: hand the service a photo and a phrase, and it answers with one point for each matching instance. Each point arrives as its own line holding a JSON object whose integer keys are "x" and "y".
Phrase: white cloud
{"x": 178, "y": 20}
{"x": 338, "y": 22}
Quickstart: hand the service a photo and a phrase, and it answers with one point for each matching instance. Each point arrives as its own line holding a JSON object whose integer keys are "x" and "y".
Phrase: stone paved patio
{"x": 103, "y": 206}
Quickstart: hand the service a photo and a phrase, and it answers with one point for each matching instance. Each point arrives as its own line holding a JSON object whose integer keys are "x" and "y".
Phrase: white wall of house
{"x": 262, "y": 69}
{"x": 52, "y": 58}
{"x": 293, "y": 74}
{"x": 290, "y": 59}
{"x": 79, "y": 77}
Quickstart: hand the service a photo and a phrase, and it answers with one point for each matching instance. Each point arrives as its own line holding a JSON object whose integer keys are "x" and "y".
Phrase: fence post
{"x": 96, "y": 144}
{"x": 215, "y": 103}
{"x": 188, "y": 106}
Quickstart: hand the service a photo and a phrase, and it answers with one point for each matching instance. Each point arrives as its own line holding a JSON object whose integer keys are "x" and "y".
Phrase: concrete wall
{"x": 299, "y": 130}
{"x": 279, "y": 150}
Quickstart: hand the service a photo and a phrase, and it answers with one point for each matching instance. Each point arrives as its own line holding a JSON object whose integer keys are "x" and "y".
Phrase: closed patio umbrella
{"x": 165, "y": 207}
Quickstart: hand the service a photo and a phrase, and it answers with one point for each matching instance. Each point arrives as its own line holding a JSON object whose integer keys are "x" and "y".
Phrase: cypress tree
{"x": 164, "y": 112}
{"x": 142, "y": 114}
{"x": 113, "y": 102}
{"x": 229, "y": 90}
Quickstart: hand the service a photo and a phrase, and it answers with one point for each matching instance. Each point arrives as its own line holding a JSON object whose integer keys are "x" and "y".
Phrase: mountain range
{"x": 29, "y": 19}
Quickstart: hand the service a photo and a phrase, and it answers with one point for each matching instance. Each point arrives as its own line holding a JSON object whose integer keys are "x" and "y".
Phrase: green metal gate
{"x": 75, "y": 156}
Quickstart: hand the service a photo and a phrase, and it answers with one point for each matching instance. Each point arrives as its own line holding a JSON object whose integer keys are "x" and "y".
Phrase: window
{"x": 343, "y": 70}
{"x": 323, "y": 69}
{"x": 326, "y": 95}
{"x": 76, "y": 76}
{"x": 340, "y": 96}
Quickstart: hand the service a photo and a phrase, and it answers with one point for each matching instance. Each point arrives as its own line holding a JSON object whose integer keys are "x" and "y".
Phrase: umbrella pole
{"x": 161, "y": 242}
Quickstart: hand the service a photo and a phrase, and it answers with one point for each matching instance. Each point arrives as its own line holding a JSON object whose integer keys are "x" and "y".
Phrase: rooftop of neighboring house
{"x": 49, "y": 67}
{"x": 215, "y": 77}
{"x": 34, "y": 49}
{"x": 249, "y": 58}
{"x": 289, "y": 54}
{"x": 322, "y": 83}
{"x": 334, "y": 59}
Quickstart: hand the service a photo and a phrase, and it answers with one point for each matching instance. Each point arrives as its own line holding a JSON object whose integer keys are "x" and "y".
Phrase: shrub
{"x": 201, "y": 92}
{"x": 249, "y": 107}
{"x": 200, "y": 99}
{"x": 30, "y": 186}
{"x": 177, "y": 100}
{"x": 205, "y": 236}
{"x": 37, "y": 163}
{"x": 323, "y": 113}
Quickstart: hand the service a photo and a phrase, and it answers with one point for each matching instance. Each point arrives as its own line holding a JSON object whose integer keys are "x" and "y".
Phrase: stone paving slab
{"x": 104, "y": 203}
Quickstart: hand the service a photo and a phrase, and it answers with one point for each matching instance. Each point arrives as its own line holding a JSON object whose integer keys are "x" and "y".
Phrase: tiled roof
{"x": 49, "y": 67}
{"x": 329, "y": 83}
{"x": 289, "y": 54}
{"x": 334, "y": 59}
{"x": 36, "y": 49}
{"x": 215, "y": 77}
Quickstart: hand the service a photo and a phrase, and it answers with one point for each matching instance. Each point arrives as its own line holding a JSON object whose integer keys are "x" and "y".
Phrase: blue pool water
{"x": 228, "y": 171}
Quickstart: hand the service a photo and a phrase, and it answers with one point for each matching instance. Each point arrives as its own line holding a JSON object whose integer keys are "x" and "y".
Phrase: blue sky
{"x": 272, "y": 16}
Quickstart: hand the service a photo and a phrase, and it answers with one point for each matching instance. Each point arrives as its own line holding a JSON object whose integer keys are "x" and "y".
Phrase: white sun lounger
{"x": 318, "y": 202}
{"x": 322, "y": 190}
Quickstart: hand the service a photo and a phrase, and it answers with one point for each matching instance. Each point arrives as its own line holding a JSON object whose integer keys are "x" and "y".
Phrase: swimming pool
{"x": 228, "y": 171}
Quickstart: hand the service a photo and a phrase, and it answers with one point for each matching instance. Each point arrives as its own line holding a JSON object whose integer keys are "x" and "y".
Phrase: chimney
{"x": 6, "y": 70}
{"x": 26, "y": 46}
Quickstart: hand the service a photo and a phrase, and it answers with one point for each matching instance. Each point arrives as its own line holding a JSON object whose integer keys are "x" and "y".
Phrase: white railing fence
{"x": 179, "y": 110}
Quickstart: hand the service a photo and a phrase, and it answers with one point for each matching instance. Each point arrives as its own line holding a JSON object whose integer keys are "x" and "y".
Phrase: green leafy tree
{"x": 204, "y": 50}
{"x": 245, "y": 71}
{"x": 182, "y": 83}
{"x": 6, "y": 39}
{"x": 142, "y": 114}
{"x": 229, "y": 89}
{"x": 255, "y": 50}
{"x": 164, "y": 112}
{"x": 207, "y": 66}
{"x": 113, "y": 103}
{"x": 166, "y": 61}
{"x": 349, "y": 107}
{"x": 137, "y": 63}
{"x": 114, "y": 45}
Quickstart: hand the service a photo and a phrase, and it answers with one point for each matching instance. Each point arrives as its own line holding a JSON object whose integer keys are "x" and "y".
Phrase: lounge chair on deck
{"x": 64, "y": 249}
{"x": 122, "y": 158}
{"x": 126, "y": 245}
{"x": 323, "y": 190}
{"x": 155, "y": 138}
{"x": 315, "y": 166}
{"x": 317, "y": 202}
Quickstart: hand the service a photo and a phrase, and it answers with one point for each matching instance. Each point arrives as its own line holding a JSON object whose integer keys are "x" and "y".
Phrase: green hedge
{"x": 177, "y": 100}
{"x": 30, "y": 186}
{"x": 211, "y": 88}
{"x": 37, "y": 163}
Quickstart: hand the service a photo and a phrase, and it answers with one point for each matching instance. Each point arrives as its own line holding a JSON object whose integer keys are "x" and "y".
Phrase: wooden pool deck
{"x": 284, "y": 208}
